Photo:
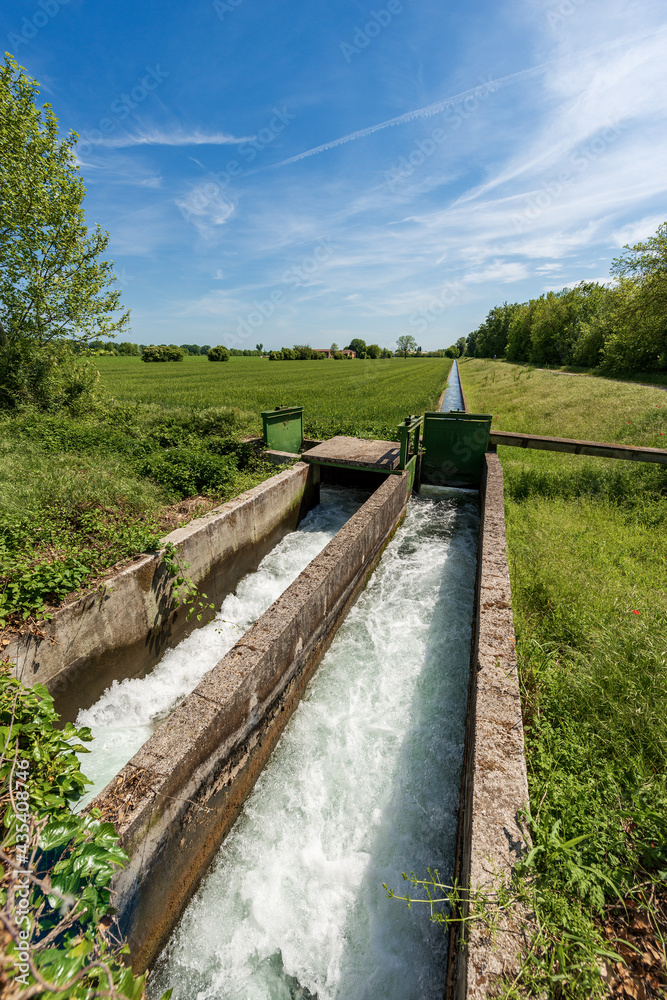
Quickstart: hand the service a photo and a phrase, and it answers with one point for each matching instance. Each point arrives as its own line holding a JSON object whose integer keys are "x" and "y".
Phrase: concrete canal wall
{"x": 494, "y": 785}
{"x": 176, "y": 799}
{"x": 123, "y": 629}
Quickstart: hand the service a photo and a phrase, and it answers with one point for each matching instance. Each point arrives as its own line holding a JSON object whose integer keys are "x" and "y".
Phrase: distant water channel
{"x": 363, "y": 785}
{"x": 453, "y": 399}
{"x": 130, "y": 710}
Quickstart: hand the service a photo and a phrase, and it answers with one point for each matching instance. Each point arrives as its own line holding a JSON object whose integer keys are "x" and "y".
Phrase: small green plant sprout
{"x": 185, "y": 589}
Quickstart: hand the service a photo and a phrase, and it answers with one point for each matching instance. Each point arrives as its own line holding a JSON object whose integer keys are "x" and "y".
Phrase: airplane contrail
{"x": 426, "y": 112}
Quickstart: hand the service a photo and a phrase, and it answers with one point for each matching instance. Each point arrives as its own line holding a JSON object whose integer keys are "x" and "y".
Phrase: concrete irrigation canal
{"x": 352, "y": 712}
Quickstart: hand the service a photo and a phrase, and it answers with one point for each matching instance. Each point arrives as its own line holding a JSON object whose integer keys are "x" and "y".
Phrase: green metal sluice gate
{"x": 440, "y": 449}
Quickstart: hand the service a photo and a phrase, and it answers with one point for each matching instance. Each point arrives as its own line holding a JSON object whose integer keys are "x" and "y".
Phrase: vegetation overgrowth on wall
{"x": 58, "y": 933}
{"x": 620, "y": 328}
{"x": 587, "y": 546}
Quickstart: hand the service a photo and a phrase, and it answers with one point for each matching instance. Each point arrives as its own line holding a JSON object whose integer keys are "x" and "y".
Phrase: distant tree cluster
{"x": 163, "y": 352}
{"x": 620, "y": 328}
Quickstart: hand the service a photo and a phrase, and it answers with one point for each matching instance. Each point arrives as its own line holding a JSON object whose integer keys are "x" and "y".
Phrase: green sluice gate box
{"x": 454, "y": 445}
{"x": 283, "y": 428}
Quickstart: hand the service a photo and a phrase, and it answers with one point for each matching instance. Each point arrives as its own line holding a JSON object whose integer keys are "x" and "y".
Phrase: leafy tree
{"x": 386, "y": 353}
{"x": 462, "y": 346}
{"x": 53, "y": 283}
{"x": 205, "y": 349}
{"x": 406, "y": 344}
{"x": 491, "y": 336}
{"x": 302, "y": 352}
{"x": 358, "y": 346}
{"x": 288, "y": 354}
{"x": 334, "y": 347}
{"x": 218, "y": 354}
{"x": 127, "y": 348}
{"x": 373, "y": 351}
{"x": 452, "y": 352}
{"x": 192, "y": 349}
{"x": 259, "y": 347}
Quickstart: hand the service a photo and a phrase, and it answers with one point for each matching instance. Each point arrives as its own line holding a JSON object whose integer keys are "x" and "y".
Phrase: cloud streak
{"x": 177, "y": 138}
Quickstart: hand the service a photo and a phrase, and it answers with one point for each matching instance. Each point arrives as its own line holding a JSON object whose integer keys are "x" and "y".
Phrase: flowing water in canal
{"x": 363, "y": 785}
{"x": 453, "y": 399}
{"x": 129, "y": 711}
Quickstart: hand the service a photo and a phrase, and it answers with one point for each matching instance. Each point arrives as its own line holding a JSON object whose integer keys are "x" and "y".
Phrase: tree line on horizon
{"x": 620, "y": 327}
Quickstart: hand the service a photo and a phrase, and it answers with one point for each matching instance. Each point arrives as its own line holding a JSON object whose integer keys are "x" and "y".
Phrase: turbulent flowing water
{"x": 363, "y": 785}
{"x": 129, "y": 711}
{"x": 453, "y": 400}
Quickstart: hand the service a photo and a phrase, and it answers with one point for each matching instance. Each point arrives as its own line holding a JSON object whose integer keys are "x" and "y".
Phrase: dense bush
{"x": 218, "y": 354}
{"x": 163, "y": 352}
{"x": 48, "y": 378}
{"x": 185, "y": 472}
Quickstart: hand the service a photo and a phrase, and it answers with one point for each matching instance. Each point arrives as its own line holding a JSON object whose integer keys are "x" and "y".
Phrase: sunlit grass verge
{"x": 590, "y": 611}
{"x": 538, "y": 401}
{"x": 83, "y": 493}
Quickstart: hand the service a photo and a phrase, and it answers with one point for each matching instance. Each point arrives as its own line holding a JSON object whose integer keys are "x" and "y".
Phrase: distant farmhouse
{"x": 329, "y": 353}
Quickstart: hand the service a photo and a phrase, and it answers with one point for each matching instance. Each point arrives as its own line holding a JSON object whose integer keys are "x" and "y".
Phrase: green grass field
{"x": 80, "y": 493}
{"x": 360, "y": 398}
{"x": 587, "y": 546}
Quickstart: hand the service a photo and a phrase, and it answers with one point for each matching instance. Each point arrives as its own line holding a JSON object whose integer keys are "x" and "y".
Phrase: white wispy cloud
{"x": 156, "y": 137}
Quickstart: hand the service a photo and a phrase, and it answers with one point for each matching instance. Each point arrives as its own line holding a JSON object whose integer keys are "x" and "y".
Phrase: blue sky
{"x": 312, "y": 172}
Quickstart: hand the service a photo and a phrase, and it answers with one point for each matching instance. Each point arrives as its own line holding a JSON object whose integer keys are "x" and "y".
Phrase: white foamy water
{"x": 452, "y": 400}
{"x": 363, "y": 785}
{"x": 128, "y": 712}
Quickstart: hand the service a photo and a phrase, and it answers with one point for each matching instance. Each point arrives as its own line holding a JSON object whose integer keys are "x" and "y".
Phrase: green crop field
{"x": 361, "y": 398}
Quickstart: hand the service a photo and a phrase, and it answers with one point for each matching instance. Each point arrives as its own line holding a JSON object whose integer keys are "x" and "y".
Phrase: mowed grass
{"x": 554, "y": 403}
{"x": 359, "y": 398}
{"x": 587, "y": 546}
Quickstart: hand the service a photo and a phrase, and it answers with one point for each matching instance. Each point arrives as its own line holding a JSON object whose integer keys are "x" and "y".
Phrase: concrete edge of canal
{"x": 494, "y": 783}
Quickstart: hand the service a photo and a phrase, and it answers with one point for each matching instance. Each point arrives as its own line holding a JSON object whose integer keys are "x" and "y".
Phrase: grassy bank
{"x": 587, "y": 542}
{"x": 80, "y": 494}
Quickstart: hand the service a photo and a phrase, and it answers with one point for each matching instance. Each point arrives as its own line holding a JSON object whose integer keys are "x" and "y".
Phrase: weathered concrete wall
{"x": 123, "y": 630}
{"x": 176, "y": 799}
{"x": 495, "y": 785}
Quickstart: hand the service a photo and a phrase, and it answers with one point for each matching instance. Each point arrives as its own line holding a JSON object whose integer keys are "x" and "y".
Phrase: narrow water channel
{"x": 363, "y": 785}
{"x": 453, "y": 399}
{"x": 130, "y": 710}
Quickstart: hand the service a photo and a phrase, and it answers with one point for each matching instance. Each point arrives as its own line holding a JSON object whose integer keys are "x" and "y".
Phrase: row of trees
{"x": 620, "y": 328}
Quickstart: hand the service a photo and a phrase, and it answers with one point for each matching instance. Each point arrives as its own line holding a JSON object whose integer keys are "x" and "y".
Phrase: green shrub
{"x": 66, "y": 860}
{"x": 186, "y": 472}
{"x": 218, "y": 354}
{"x": 48, "y": 378}
{"x": 163, "y": 352}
